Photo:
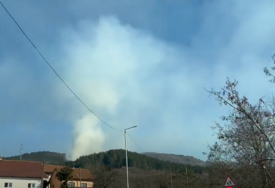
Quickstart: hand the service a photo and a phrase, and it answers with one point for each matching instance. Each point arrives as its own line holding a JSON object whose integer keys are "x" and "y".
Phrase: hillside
{"x": 140, "y": 178}
{"x": 189, "y": 160}
{"x": 143, "y": 178}
{"x": 41, "y": 156}
{"x": 116, "y": 159}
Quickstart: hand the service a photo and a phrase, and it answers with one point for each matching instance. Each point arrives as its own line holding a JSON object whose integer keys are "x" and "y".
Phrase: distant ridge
{"x": 189, "y": 160}
{"x": 60, "y": 158}
{"x": 41, "y": 156}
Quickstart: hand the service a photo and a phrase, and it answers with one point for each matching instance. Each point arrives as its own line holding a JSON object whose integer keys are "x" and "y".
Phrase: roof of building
{"x": 78, "y": 173}
{"x": 83, "y": 174}
{"x": 21, "y": 169}
{"x": 51, "y": 168}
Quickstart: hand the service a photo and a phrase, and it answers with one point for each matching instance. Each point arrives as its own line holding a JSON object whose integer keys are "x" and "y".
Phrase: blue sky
{"x": 139, "y": 63}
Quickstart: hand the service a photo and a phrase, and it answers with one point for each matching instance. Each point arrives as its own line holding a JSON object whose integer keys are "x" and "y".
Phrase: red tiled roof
{"x": 21, "y": 169}
{"x": 83, "y": 174}
{"x": 51, "y": 168}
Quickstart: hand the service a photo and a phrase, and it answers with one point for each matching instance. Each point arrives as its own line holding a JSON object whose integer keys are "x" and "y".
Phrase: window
{"x": 71, "y": 184}
{"x": 83, "y": 185}
{"x": 31, "y": 185}
{"x": 8, "y": 185}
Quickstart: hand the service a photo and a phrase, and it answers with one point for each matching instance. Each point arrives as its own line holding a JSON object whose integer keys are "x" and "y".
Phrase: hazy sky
{"x": 142, "y": 62}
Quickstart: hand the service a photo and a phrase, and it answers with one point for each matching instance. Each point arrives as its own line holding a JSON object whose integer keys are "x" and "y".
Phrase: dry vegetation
{"x": 151, "y": 179}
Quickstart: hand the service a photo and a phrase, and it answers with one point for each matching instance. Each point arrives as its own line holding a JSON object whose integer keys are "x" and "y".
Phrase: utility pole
{"x": 42, "y": 176}
{"x": 186, "y": 177}
{"x": 21, "y": 147}
{"x": 80, "y": 176}
{"x": 171, "y": 179}
{"x": 125, "y": 138}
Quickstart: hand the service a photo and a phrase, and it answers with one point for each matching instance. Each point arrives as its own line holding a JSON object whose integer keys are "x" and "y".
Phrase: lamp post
{"x": 125, "y": 138}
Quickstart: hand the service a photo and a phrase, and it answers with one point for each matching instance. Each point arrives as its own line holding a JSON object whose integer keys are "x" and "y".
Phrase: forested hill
{"x": 176, "y": 158}
{"x": 116, "y": 159}
{"x": 112, "y": 158}
{"x": 41, "y": 156}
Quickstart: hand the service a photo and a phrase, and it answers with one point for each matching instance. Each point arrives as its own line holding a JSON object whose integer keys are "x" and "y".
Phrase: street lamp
{"x": 125, "y": 138}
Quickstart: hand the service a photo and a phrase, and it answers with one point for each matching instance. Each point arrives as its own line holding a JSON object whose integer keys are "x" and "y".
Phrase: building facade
{"x": 7, "y": 182}
{"x": 25, "y": 174}
{"x": 81, "y": 177}
{"x": 21, "y": 174}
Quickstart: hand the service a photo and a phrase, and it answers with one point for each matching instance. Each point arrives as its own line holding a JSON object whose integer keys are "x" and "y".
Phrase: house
{"x": 21, "y": 174}
{"x": 26, "y": 174}
{"x": 81, "y": 177}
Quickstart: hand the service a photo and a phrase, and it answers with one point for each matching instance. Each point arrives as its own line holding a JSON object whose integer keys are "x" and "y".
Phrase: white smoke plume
{"x": 129, "y": 77}
{"x": 88, "y": 135}
{"x": 116, "y": 70}
{"x": 142, "y": 70}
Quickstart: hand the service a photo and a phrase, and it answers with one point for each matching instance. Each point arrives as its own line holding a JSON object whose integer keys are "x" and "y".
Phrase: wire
{"x": 55, "y": 70}
{"x": 134, "y": 142}
{"x": 61, "y": 79}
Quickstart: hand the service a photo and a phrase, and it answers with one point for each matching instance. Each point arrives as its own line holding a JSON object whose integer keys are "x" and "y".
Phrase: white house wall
{"x": 20, "y": 182}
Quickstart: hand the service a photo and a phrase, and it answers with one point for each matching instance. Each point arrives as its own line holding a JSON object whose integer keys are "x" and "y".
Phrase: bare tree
{"x": 246, "y": 139}
{"x": 163, "y": 180}
{"x": 104, "y": 175}
{"x": 145, "y": 182}
{"x": 188, "y": 178}
{"x": 269, "y": 73}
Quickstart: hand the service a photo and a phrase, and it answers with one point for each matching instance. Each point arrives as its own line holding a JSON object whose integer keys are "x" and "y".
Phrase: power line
{"x": 61, "y": 79}
{"x": 46, "y": 61}
{"x": 134, "y": 142}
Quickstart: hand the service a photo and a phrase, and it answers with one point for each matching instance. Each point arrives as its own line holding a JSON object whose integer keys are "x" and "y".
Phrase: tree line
{"x": 116, "y": 159}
